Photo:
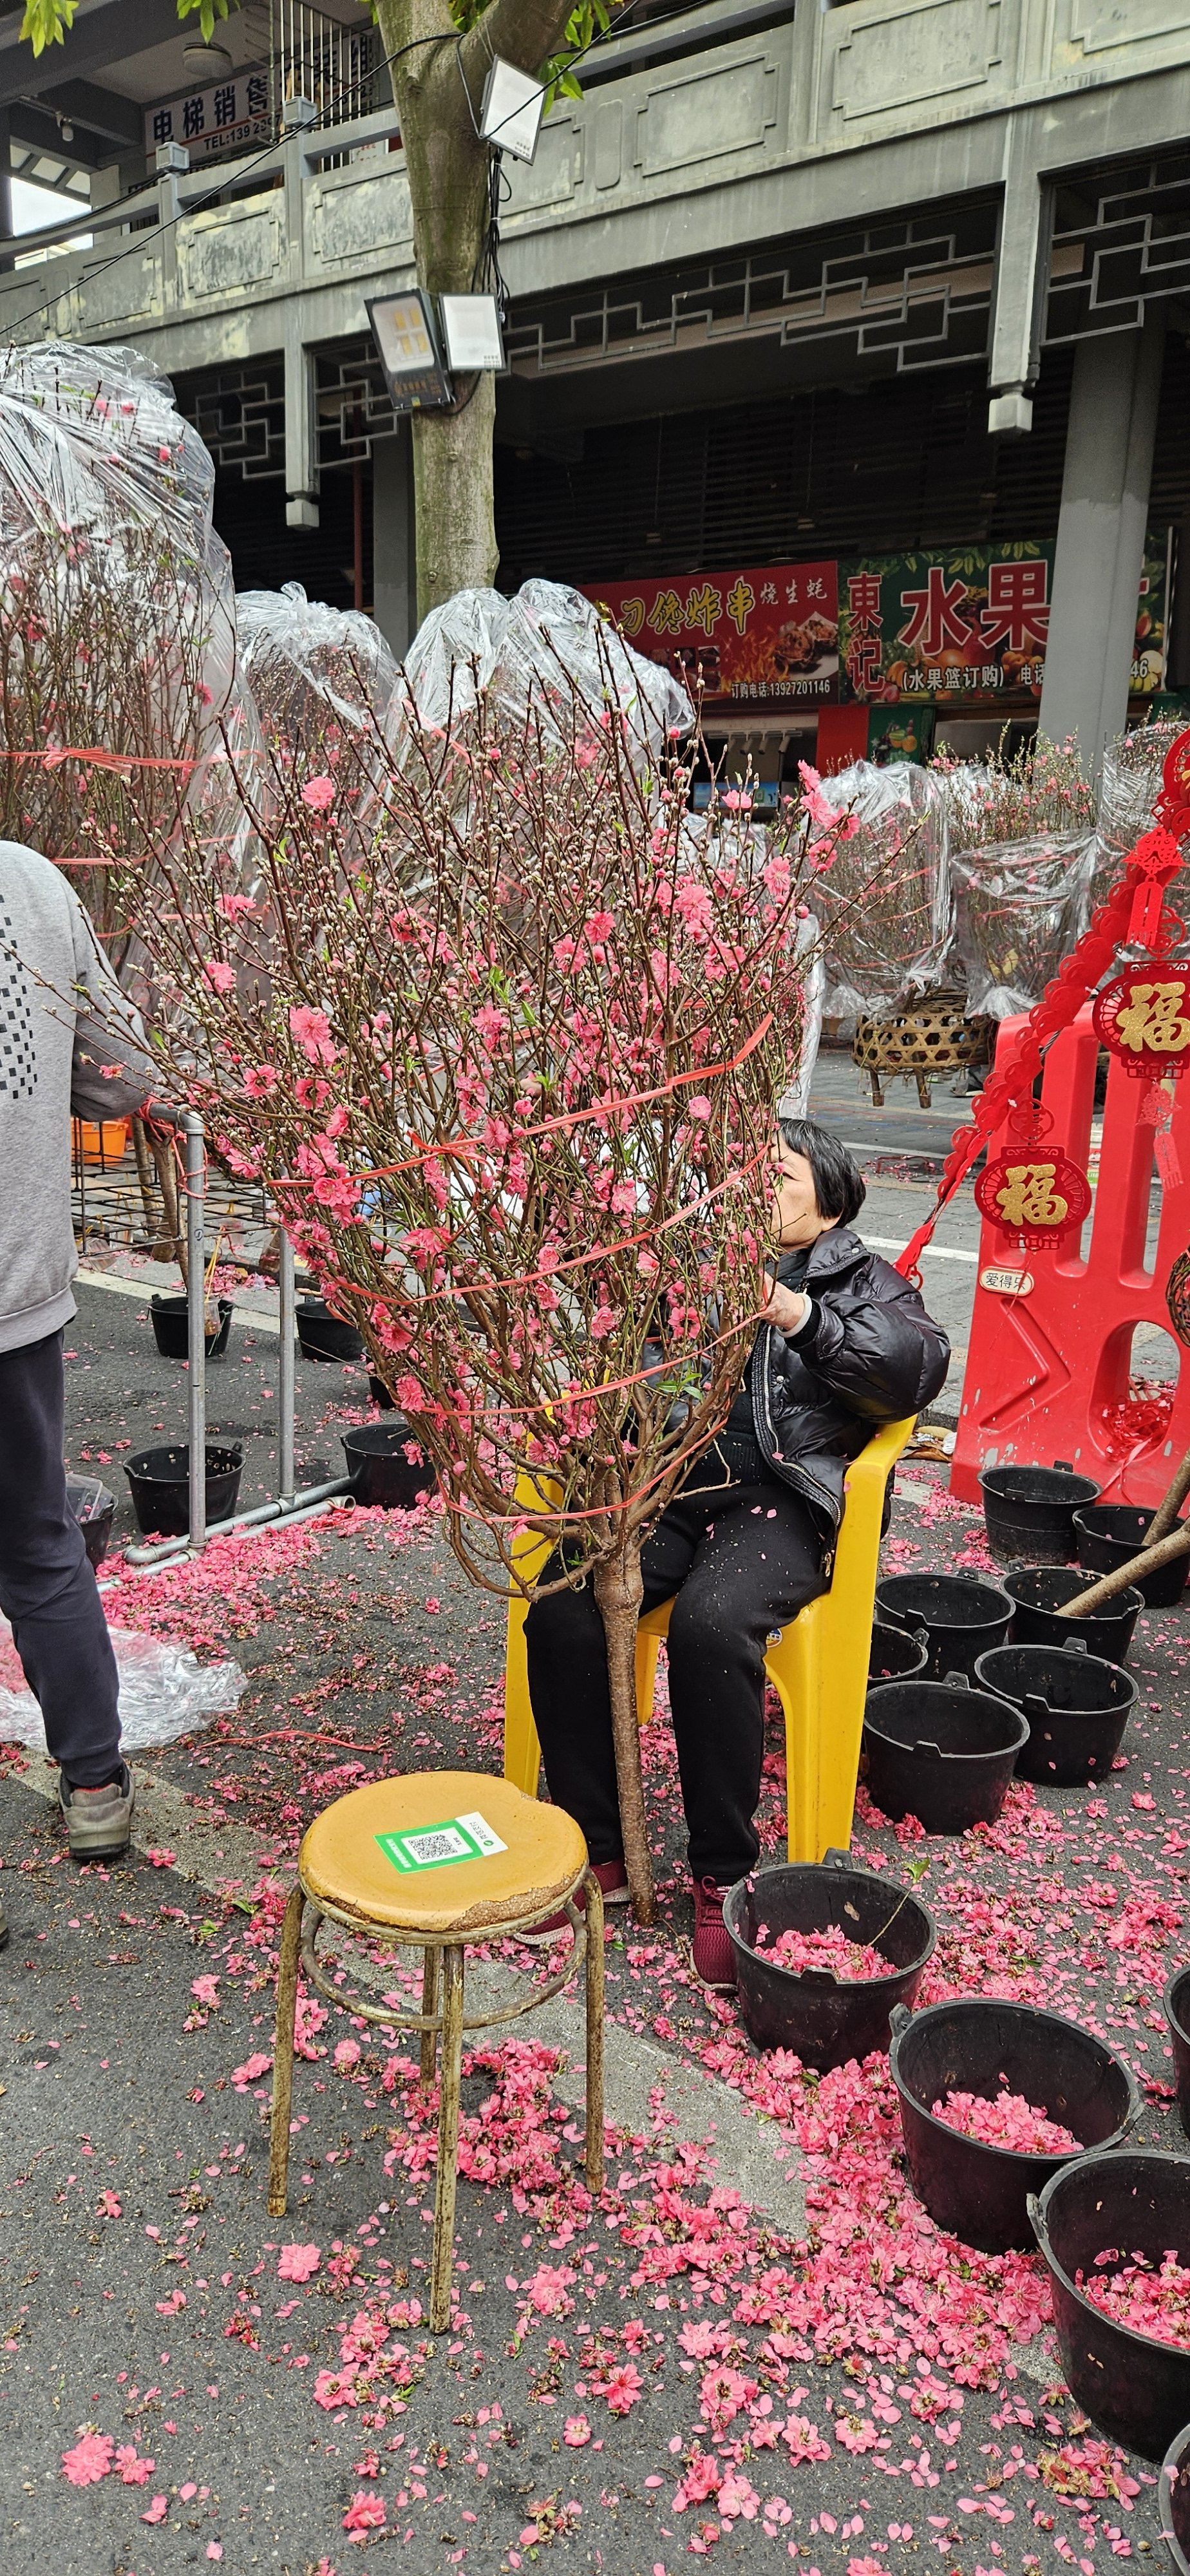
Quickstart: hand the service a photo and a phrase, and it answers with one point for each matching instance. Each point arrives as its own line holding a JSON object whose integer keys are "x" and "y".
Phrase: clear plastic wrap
{"x": 323, "y": 680}
{"x": 531, "y": 656}
{"x": 1128, "y": 791}
{"x": 1019, "y": 907}
{"x": 164, "y": 1692}
{"x": 117, "y": 623}
{"x": 883, "y": 899}
{"x": 795, "y": 1102}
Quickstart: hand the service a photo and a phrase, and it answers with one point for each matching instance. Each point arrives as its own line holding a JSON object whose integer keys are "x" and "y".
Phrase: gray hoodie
{"x": 62, "y": 1020}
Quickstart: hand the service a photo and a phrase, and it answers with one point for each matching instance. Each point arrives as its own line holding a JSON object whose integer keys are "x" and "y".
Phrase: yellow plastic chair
{"x": 818, "y": 1665}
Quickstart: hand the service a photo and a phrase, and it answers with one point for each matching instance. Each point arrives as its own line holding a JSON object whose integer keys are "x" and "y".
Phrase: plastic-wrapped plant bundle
{"x": 1128, "y": 790}
{"x": 323, "y": 680}
{"x": 882, "y": 901}
{"x": 117, "y": 627}
{"x": 1019, "y": 907}
{"x": 527, "y": 655}
{"x": 1041, "y": 789}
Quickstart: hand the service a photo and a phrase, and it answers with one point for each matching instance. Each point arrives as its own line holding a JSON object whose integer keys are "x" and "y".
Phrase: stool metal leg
{"x": 594, "y": 1895}
{"x": 442, "y": 2258}
{"x": 287, "y": 1982}
{"x": 429, "y": 2005}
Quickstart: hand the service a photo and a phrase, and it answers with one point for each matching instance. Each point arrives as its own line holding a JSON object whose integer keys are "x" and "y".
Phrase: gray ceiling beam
{"x": 110, "y": 32}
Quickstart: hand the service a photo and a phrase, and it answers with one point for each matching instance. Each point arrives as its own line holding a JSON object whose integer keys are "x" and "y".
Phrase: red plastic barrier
{"x": 1048, "y": 1365}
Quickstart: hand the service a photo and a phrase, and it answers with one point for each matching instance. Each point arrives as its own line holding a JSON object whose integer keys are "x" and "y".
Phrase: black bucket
{"x": 941, "y": 1751}
{"x": 170, "y": 1319}
{"x": 1176, "y": 2001}
{"x": 893, "y": 1654}
{"x": 94, "y": 1508}
{"x": 1077, "y": 1707}
{"x": 1173, "y": 2499}
{"x": 160, "y": 1483}
{"x": 1112, "y": 1533}
{"x": 823, "y": 2020}
{"x": 1039, "y": 1591}
{"x": 961, "y": 1617}
{"x": 379, "y": 1470}
{"x": 323, "y": 1336}
{"x": 1134, "y": 2389}
{"x": 1029, "y": 1512}
{"x": 977, "y": 2192}
{"x": 379, "y": 1394}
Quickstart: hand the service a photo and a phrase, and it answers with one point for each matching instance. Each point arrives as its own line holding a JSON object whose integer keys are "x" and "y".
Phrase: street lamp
{"x": 407, "y": 347}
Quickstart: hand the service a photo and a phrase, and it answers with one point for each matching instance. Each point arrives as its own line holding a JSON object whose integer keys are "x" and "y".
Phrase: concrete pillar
{"x": 1101, "y": 535}
{"x": 394, "y": 567}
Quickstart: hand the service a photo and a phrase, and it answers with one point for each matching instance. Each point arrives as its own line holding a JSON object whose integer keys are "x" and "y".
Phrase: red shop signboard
{"x": 768, "y": 633}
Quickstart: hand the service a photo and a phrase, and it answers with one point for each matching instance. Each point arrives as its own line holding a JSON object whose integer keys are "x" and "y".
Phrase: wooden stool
{"x": 435, "y": 1860}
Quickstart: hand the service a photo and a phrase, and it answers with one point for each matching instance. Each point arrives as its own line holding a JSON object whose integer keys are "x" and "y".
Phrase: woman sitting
{"x": 843, "y": 1345}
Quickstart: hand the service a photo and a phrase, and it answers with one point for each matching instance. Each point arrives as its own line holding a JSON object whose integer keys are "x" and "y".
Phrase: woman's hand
{"x": 787, "y": 1309}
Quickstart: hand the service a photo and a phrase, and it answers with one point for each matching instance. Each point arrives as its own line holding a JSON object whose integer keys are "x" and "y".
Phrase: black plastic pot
{"x": 1039, "y": 1590}
{"x": 941, "y": 1751}
{"x": 379, "y": 1470}
{"x": 1029, "y": 1512}
{"x": 379, "y": 1394}
{"x": 171, "y": 1327}
{"x": 160, "y": 1484}
{"x": 1176, "y": 2001}
{"x": 323, "y": 1336}
{"x": 1173, "y": 2499}
{"x": 1134, "y": 2389}
{"x": 980, "y": 2193}
{"x": 962, "y": 1618}
{"x": 93, "y": 1505}
{"x": 894, "y": 1654}
{"x": 823, "y": 2020}
{"x": 1077, "y": 1707}
{"x": 1111, "y": 1533}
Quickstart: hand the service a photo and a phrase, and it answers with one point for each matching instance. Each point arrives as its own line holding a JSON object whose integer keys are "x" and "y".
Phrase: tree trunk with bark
{"x": 619, "y": 1591}
{"x": 438, "y": 79}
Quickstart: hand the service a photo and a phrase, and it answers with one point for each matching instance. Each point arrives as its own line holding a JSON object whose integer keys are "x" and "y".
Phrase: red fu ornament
{"x": 1143, "y": 1016}
{"x": 1033, "y": 1192}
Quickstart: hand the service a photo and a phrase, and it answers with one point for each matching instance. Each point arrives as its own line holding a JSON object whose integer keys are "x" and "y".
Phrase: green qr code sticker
{"x": 435, "y": 1846}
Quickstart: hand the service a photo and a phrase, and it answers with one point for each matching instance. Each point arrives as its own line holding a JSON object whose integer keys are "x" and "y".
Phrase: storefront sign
{"x": 237, "y": 111}
{"x": 768, "y": 635}
{"x": 953, "y": 629}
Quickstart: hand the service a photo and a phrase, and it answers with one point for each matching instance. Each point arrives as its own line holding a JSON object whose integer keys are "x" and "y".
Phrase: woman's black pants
{"x": 739, "y": 1555}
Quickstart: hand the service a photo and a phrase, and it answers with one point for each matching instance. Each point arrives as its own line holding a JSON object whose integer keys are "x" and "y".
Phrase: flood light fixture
{"x": 510, "y": 114}
{"x": 471, "y": 333}
{"x": 407, "y": 347}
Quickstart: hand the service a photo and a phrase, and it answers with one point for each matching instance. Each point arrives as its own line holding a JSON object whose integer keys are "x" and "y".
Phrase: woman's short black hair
{"x": 838, "y": 1181}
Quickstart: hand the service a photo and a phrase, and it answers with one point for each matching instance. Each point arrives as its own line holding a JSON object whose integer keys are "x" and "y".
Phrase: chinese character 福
{"x": 1029, "y": 1197}
{"x": 1154, "y": 1018}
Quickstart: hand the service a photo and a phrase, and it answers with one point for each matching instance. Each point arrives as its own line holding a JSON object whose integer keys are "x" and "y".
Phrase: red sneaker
{"x": 714, "y": 1958}
{"x": 613, "y": 1879}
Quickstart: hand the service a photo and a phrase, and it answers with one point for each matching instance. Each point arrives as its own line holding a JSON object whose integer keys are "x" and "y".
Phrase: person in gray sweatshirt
{"x": 69, "y": 1041}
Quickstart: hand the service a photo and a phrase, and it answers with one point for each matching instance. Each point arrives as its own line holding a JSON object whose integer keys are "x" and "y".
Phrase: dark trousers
{"x": 742, "y": 1556}
{"x": 47, "y": 1584}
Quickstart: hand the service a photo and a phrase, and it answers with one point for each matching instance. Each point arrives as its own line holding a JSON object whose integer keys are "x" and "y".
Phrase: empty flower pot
{"x": 1137, "y": 2201}
{"x": 323, "y": 1336}
{"x": 976, "y": 2191}
{"x": 379, "y": 1470}
{"x": 1077, "y": 1707}
{"x": 171, "y": 1327}
{"x": 379, "y": 1394}
{"x": 962, "y": 1618}
{"x": 1029, "y": 1512}
{"x": 1040, "y": 1590}
{"x": 1110, "y": 1533}
{"x": 824, "y": 2019}
{"x": 941, "y": 1751}
{"x": 159, "y": 1480}
{"x": 894, "y": 1654}
{"x": 1176, "y": 2000}
{"x": 1173, "y": 2500}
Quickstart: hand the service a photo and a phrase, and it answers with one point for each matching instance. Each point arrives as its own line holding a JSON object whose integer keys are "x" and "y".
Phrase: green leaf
{"x": 45, "y": 20}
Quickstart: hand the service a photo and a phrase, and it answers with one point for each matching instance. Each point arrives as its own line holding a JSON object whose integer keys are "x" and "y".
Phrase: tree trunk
{"x": 619, "y": 1592}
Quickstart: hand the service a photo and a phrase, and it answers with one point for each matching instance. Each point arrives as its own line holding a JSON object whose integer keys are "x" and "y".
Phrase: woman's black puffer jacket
{"x": 868, "y": 1353}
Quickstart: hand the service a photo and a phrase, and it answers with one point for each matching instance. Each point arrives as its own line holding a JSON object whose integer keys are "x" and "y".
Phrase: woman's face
{"x": 797, "y": 1217}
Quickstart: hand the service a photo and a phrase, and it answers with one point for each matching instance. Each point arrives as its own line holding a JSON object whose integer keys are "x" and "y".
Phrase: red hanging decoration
{"x": 1143, "y": 1016}
{"x": 1033, "y": 1192}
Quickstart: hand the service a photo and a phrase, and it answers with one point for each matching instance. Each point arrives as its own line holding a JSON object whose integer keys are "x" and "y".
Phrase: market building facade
{"x": 848, "y": 345}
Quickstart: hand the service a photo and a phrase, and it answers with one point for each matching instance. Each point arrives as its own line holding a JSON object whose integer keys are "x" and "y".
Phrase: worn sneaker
{"x": 98, "y": 1821}
{"x": 613, "y": 1879}
{"x": 714, "y": 1958}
